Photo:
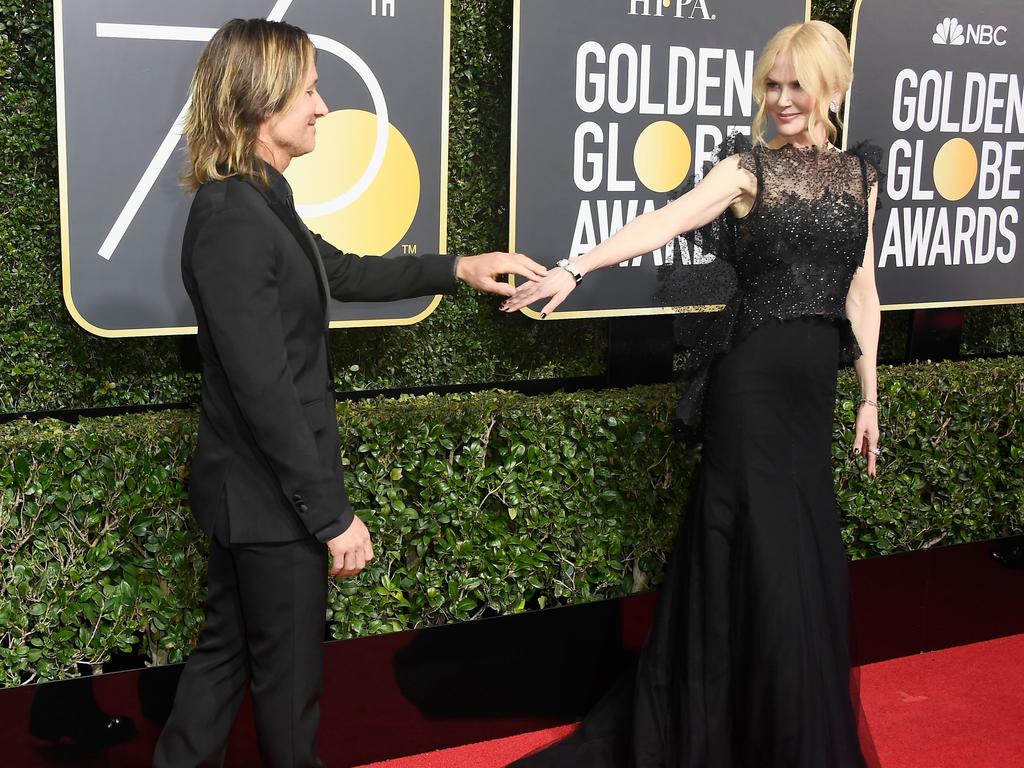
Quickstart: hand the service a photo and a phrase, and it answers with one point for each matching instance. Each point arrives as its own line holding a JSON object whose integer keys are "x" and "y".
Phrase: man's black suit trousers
{"x": 265, "y": 623}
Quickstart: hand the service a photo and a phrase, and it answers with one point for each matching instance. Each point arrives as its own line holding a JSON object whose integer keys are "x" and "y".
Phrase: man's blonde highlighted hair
{"x": 823, "y": 66}
{"x": 250, "y": 69}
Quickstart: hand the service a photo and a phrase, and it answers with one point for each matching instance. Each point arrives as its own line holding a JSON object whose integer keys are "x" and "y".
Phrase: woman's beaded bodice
{"x": 797, "y": 249}
{"x": 793, "y": 255}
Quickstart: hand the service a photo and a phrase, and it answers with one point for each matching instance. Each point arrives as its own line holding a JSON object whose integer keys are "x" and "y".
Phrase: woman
{"x": 747, "y": 662}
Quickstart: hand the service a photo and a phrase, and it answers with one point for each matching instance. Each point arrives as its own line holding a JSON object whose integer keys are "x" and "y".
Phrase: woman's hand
{"x": 556, "y": 285}
{"x": 865, "y": 436}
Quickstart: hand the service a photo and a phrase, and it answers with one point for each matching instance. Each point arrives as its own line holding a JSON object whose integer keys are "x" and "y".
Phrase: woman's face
{"x": 789, "y": 105}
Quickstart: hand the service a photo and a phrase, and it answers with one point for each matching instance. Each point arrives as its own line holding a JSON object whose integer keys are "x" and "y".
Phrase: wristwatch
{"x": 571, "y": 268}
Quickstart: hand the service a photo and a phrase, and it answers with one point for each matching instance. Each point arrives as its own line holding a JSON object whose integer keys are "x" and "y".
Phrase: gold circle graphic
{"x": 662, "y": 156}
{"x": 955, "y": 169}
{"x": 378, "y": 220}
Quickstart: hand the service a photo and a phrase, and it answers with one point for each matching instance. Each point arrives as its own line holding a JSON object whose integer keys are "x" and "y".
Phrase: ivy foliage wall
{"x": 49, "y": 362}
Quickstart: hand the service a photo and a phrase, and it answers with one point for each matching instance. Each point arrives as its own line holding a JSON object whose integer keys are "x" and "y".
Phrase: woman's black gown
{"x": 747, "y": 662}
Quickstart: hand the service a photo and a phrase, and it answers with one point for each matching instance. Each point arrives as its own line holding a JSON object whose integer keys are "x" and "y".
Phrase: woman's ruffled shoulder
{"x": 873, "y": 157}
{"x": 870, "y": 152}
{"x": 736, "y": 143}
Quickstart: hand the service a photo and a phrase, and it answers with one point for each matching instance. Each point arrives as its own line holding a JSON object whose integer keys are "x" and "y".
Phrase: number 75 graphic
{"x": 202, "y": 34}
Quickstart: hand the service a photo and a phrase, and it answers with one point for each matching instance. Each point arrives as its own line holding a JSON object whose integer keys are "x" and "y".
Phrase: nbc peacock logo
{"x": 949, "y": 32}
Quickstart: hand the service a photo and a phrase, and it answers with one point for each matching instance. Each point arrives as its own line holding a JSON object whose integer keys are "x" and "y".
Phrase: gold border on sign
{"x": 62, "y": 187}
{"x": 854, "y": 18}
{"x": 951, "y": 304}
{"x": 513, "y": 170}
{"x": 513, "y": 182}
{"x": 65, "y": 228}
{"x": 446, "y": 71}
{"x": 854, "y": 26}
{"x": 442, "y": 238}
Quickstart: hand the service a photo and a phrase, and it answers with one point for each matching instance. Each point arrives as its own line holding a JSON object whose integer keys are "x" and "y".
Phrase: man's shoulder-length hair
{"x": 250, "y": 69}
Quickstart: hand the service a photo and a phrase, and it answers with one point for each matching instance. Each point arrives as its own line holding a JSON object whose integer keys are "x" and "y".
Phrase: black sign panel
{"x": 616, "y": 103}
{"x": 376, "y": 183}
{"x": 939, "y": 85}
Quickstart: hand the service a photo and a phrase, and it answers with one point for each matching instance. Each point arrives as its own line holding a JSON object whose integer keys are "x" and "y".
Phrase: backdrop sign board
{"x": 615, "y": 104}
{"x": 939, "y": 85}
{"x": 376, "y": 183}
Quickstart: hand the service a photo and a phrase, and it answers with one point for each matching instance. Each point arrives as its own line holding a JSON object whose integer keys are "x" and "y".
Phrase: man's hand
{"x": 481, "y": 272}
{"x": 351, "y": 550}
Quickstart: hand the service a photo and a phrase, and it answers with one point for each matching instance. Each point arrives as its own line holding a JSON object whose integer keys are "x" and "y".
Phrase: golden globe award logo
{"x": 615, "y": 105}
{"x": 945, "y": 101}
{"x": 662, "y": 154}
{"x": 982, "y": 158}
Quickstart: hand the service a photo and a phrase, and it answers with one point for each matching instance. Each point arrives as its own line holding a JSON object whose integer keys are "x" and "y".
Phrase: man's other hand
{"x": 482, "y": 271}
{"x": 351, "y": 550}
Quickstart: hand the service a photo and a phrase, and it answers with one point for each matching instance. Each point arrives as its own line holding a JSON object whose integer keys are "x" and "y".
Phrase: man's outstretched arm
{"x": 389, "y": 278}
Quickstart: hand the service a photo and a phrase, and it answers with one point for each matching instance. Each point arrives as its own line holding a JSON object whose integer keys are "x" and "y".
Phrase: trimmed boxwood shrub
{"x": 480, "y": 504}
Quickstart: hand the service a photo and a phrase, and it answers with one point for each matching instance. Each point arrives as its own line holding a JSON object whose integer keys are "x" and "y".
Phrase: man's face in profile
{"x": 292, "y": 132}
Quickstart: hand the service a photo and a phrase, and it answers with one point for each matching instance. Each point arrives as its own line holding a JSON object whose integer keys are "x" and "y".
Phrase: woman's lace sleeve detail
{"x": 698, "y": 276}
{"x": 697, "y": 268}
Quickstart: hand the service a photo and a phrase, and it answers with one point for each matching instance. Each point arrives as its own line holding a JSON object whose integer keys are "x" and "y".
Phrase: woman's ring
{"x": 877, "y": 451}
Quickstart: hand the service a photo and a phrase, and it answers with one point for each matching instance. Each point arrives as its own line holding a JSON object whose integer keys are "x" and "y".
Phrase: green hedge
{"x": 49, "y": 362}
{"x": 554, "y": 500}
{"x": 480, "y": 504}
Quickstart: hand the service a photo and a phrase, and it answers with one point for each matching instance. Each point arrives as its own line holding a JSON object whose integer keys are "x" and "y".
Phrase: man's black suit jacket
{"x": 268, "y": 454}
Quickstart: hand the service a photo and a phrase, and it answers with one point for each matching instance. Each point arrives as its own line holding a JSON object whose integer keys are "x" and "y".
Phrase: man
{"x": 266, "y": 479}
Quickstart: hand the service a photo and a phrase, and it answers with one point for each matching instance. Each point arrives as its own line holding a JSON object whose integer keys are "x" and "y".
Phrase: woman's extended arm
{"x": 725, "y": 185}
{"x": 862, "y": 307}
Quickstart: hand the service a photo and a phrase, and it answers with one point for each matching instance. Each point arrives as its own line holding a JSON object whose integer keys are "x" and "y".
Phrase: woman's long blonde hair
{"x": 250, "y": 69}
{"x": 823, "y": 66}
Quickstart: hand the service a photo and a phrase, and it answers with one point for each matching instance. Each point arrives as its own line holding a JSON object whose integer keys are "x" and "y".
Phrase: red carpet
{"x": 488, "y": 754}
{"x": 959, "y": 708}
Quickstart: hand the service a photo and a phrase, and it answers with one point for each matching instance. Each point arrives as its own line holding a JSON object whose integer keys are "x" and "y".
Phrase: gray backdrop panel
{"x": 892, "y": 36}
{"x": 546, "y": 201}
{"x": 122, "y": 96}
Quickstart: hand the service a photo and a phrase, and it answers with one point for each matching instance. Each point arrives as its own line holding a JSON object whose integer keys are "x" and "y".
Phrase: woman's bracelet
{"x": 865, "y": 401}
